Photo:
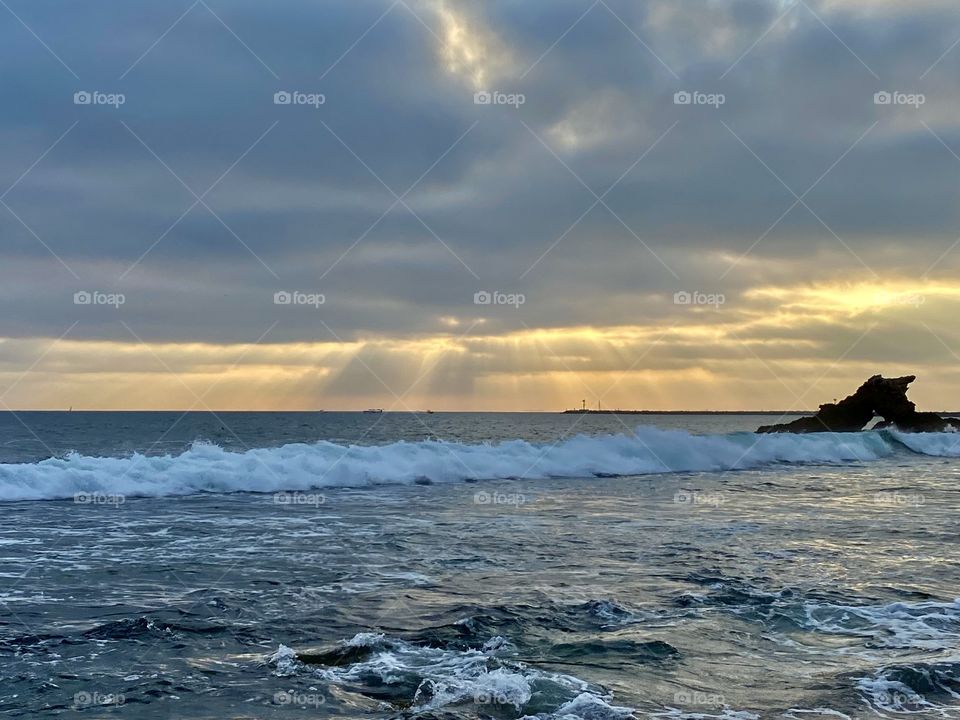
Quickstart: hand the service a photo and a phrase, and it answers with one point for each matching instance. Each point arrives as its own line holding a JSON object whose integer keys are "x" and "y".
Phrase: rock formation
{"x": 886, "y": 397}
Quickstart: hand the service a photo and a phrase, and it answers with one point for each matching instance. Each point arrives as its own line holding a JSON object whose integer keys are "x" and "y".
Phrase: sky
{"x": 496, "y": 205}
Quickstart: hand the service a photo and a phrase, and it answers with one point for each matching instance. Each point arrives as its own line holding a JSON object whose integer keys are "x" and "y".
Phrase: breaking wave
{"x": 209, "y": 468}
{"x": 431, "y": 680}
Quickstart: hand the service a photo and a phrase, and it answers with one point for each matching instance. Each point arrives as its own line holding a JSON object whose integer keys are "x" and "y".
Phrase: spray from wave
{"x": 209, "y": 468}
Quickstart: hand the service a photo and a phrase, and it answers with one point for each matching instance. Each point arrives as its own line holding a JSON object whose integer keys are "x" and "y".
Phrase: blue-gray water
{"x": 473, "y": 565}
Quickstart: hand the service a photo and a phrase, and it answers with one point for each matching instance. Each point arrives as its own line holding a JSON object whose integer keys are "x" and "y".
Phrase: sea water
{"x": 458, "y": 565}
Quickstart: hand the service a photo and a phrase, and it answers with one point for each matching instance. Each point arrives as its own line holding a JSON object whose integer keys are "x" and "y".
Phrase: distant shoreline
{"x": 437, "y": 412}
{"x": 5, "y": 411}
{"x": 687, "y": 412}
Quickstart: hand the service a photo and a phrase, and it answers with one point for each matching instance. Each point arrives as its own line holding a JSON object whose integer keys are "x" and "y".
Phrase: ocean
{"x": 468, "y": 565}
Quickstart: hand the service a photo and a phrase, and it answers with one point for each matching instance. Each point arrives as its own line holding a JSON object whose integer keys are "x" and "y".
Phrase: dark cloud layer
{"x": 510, "y": 183}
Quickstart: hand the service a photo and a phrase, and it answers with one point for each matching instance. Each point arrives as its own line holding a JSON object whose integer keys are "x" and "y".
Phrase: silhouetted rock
{"x": 886, "y": 397}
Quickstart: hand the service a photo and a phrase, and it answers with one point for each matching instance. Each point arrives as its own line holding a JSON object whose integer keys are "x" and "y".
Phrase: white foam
{"x": 945, "y": 444}
{"x": 209, "y": 468}
{"x": 443, "y": 678}
{"x": 891, "y": 695}
{"x": 284, "y": 661}
{"x": 496, "y": 687}
{"x": 923, "y": 625}
{"x": 590, "y": 707}
{"x": 725, "y": 714}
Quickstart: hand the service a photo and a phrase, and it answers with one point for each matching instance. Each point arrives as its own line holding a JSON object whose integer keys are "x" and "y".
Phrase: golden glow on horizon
{"x": 763, "y": 349}
{"x": 855, "y": 298}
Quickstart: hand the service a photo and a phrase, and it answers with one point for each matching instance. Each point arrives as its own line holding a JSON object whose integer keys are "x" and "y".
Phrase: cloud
{"x": 786, "y": 340}
{"x": 399, "y": 196}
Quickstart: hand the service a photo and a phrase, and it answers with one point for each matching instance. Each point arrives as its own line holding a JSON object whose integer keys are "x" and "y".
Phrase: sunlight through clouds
{"x": 657, "y": 241}
{"x": 690, "y": 363}
{"x": 469, "y": 48}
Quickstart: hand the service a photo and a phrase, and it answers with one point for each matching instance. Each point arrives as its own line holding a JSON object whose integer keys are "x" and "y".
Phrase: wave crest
{"x": 209, "y": 468}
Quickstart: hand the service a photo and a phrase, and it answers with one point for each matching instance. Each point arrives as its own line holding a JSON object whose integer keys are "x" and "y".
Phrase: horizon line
{"x": 567, "y": 411}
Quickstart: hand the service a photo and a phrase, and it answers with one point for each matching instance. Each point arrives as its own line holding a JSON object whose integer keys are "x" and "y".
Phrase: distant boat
{"x": 373, "y": 411}
{"x": 429, "y": 412}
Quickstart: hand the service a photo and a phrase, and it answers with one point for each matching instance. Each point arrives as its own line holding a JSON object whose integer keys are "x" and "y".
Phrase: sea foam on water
{"x": 208, "y": 468}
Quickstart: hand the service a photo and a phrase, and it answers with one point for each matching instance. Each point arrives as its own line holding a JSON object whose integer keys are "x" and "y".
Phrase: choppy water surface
{"x": 263, "y": 577}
